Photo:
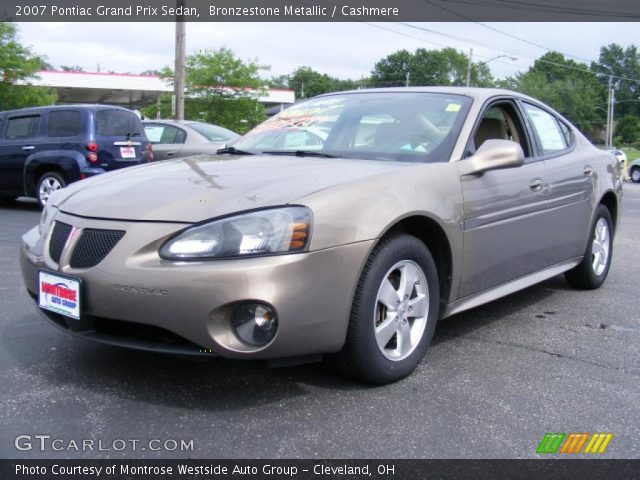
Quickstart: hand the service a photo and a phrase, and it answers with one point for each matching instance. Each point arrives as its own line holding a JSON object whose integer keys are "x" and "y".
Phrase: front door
{"x": 504, "y": 219}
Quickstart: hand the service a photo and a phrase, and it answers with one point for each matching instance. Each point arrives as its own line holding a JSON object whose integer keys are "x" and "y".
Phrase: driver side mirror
{"x": 493, "y": 155}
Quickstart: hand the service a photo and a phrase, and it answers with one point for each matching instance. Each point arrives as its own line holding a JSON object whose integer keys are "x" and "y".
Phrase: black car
{"x": 43, "y": 149}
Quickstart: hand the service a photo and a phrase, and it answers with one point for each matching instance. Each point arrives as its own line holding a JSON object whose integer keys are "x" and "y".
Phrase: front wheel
{"x": 394, "y": 312}
{"x": 593, "y": 270}
{"x": 635, "y": 174}
{"x": 48, "y": 183}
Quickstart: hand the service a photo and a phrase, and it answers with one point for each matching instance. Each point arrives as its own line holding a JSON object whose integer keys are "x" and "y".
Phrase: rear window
{"x": 23, "y": 127}
{"x": 213, "y": 133}
{"x": 64, "y": 123}
{"x": 117, "y": 123}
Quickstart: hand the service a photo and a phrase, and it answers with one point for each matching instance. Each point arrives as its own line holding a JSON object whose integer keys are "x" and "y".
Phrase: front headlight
{"x": 46, "y": 218}
{"x": 262, "y": 232}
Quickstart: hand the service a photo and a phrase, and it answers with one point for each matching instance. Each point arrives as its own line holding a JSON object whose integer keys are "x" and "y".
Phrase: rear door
{"x": 504, "y": 219}
{"x": 571, "y": 183}
{"x": 21, "y": 138}
{"x": 120, "y": 137}
{"x": 167, "y": 140}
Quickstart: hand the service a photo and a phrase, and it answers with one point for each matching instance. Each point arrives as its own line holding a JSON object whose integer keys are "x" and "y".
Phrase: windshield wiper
{"x": 233, "y": 151}
{"x": 133, "y": 134}
{"x": 300, "y": 153}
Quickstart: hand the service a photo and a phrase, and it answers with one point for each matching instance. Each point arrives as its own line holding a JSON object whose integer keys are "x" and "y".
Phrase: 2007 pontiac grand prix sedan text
{"x": 346, "y": 225}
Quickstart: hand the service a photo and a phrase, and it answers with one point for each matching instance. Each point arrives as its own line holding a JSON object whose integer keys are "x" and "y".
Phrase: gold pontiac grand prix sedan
{"x": 345, "y": 226}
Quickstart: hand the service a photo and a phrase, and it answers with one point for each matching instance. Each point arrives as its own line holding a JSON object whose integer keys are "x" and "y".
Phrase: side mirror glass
{"x": 493, "y": 155}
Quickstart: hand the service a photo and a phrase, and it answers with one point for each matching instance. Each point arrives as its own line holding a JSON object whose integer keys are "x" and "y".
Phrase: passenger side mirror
{"x": 493, "y": 155}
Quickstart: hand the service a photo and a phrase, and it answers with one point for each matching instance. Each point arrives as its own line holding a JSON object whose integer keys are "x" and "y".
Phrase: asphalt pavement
{"x": 496, "y": 379}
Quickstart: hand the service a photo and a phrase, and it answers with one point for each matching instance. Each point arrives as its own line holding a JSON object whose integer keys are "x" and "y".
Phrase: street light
{"x": 470, "y": 64}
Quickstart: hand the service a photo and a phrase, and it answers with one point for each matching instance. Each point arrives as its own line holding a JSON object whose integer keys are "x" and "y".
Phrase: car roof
{"x": 75, "y": 106}
{"x": 477, "y": 93}
{"x": 171, "y": 122}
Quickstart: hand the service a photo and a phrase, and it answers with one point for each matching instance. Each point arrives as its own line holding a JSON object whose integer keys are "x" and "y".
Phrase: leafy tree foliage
{"x": 220, "y": 88}
{"x": 627, "y": 129}
{"x": 19, "y": 65}
{"x": 429, "y": 67}
{"x": 621, "y": 62}
{"x": 568, "y": 87}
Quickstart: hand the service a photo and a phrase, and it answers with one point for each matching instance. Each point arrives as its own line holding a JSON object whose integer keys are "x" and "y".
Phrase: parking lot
{"x": 496, "y": 379}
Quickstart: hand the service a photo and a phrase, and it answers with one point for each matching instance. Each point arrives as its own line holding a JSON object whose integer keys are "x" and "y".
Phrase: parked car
{"x": 634, "y": 170}
{"x": 457, "y": 197}
{"x": 45, "y": 148}
{"x": 622, "y": 159}
{"x": 172, "y": 139}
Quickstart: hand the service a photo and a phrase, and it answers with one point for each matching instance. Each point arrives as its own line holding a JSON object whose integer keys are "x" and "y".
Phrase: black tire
{"x": 361, "y": 357}
{"x": 583, "y": 275}
{"x": 49, "y": 177}
{"x": 635, "y": 174}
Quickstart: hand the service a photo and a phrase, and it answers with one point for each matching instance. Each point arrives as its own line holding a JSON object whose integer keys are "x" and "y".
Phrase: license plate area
{"x": 59, "y": 294}
{"x": 128, "y": 152}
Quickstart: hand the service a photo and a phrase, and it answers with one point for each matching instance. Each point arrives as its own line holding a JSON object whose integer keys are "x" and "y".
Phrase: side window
{"x": 164, "y": 134}
{"x": 566, "y": 131}
{"x": 64, "y": 123}
{"x": 551, "y": 137}
{"x": 501, "y": 121}
{"x": 23, "y": 127}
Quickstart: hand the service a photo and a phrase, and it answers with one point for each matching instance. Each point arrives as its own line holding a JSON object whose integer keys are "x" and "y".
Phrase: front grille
{"x": 93, "y": 245}
{"x": 59, "y": 238}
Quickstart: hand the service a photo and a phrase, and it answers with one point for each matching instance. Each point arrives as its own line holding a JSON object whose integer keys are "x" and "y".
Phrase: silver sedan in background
{"x": 345, "y": 226}
{"x": 174, "y": 139}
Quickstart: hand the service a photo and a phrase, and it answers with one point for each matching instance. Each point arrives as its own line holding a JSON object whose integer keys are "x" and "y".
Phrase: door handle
{"x": 588, "y": 171}
{"x": 28, "y": 147}
{"x": 536, "y": 184}
{"x": 170, "y": 154}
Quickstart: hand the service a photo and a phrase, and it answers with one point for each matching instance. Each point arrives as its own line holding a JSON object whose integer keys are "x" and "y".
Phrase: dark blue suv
{"x": 43, "y": 149}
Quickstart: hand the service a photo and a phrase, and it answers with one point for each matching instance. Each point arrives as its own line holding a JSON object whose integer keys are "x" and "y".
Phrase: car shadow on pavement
{"x": 208, "y": 384}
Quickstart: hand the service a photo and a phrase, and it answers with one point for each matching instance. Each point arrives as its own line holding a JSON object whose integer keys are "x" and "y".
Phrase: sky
{"x": 343, "y": 50}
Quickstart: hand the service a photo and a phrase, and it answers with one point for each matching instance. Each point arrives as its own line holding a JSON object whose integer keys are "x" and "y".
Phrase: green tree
{"x": 627, "y": 129}
{"x": 568, "y": 87}
{"x": 429, "y": 67}
{"x": 18, "y": 66}
{"x": 224, "y": 89}
{"x": 220, "y": 88}
{"x": 623, "y": 63}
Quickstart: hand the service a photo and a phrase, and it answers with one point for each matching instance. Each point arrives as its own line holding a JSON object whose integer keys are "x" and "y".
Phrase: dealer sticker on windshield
{"x": 59, "y": 294}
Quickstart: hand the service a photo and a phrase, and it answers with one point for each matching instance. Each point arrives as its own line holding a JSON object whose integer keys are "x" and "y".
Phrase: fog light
{"x": 254, "y": 323}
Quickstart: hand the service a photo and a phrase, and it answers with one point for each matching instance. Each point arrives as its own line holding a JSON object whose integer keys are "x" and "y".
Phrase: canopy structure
{"x": 126, "y": 90}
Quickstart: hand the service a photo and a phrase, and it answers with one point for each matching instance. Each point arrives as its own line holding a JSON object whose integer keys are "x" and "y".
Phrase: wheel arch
{"x": 434, "y": 237}
{"x": 610, "y": 200}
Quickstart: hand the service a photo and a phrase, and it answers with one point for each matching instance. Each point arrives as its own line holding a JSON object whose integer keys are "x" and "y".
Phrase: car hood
{"x": 197, "y": 188}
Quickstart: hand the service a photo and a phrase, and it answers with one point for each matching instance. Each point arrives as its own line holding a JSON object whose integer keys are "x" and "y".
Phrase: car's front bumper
{"x": 136, "y": 299}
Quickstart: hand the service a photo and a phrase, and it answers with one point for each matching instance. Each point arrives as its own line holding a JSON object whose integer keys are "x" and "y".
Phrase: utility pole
{"x": 180, "y": 70}
{"x": 608, "y": 125}
{"x": 613, "y": 122}
{"x": 302, "y": 90}
{"x": 469, "y": 67}
{"x": 406, "y": 83}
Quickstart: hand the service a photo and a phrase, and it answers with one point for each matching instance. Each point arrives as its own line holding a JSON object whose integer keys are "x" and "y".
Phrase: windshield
{"x": 398, "y": 126}
{"x": 213, "y": 133}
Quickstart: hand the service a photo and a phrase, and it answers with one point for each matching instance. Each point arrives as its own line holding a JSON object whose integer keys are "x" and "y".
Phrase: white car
{"x": 622, "y": 160}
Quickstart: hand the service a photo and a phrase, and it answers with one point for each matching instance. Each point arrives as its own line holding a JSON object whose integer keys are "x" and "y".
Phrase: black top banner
{"x": 320, "y": 10}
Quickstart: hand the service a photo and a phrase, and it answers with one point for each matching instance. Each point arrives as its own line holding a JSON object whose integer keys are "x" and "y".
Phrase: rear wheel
{"x": 635, "y": 174}
{"x": 394, "y": 312}
{"x": 48, "y": 183}
{"x": 593, "y": 270}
